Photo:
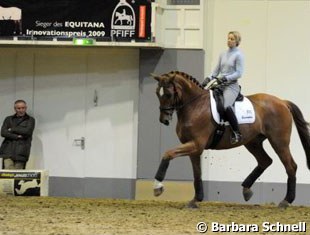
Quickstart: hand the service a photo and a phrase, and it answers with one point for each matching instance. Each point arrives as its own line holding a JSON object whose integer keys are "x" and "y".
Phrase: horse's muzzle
{"x": 165, "y": 119}
{"x": 165, "y": 122}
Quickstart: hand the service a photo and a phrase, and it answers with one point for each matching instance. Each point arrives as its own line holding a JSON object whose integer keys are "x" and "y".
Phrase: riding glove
{"x": 221, "y": 80}
{"x": 206, "y": 81}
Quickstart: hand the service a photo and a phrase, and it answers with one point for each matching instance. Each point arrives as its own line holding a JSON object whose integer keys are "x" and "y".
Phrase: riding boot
{"x": 231, "y": 118}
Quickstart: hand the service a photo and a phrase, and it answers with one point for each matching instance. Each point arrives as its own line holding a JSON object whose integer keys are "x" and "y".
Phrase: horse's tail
{"x": 302, "y": 128}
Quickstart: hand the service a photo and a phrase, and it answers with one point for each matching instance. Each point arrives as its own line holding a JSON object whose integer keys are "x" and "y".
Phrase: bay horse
{"x": 180, "y": 92}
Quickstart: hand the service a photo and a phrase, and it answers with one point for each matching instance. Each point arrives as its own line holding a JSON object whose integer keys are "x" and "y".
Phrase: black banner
{"x": 100, "y": 19}
{"x": 20, "y": 183}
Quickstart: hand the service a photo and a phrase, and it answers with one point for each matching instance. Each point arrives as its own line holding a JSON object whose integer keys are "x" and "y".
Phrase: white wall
{"x": 179, "y": 26}
{"x": 59, "y": 85}
{"x": 275, "y": 41}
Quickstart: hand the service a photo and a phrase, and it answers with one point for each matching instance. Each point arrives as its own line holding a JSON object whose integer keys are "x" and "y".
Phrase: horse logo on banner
{"x": 123, "y": 20}
{"x": 26, "y": 185}
{"x": 121, "y": 17}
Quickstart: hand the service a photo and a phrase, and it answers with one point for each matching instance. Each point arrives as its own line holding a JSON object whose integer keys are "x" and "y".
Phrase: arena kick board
{"x": 24, "y": 182}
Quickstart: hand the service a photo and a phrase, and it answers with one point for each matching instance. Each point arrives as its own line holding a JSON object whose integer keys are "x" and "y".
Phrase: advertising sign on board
{"x": 106, "y": 20}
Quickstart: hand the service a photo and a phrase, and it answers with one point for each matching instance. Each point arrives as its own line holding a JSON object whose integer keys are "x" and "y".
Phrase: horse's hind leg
{"x": 286, "y": 158}
{"x": 279, "y": 133}
{"x": 263, "y": 160}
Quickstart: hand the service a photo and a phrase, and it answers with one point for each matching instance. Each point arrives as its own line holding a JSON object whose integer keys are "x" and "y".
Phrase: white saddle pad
{"x": 243, "y": 109}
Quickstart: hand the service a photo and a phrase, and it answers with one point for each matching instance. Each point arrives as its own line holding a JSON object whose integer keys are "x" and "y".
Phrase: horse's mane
{"x": 186, "y": 76}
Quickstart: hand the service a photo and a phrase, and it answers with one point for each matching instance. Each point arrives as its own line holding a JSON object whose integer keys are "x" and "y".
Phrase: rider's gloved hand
{"x": 206, "y": 81}
{"x": 221, "y": 80}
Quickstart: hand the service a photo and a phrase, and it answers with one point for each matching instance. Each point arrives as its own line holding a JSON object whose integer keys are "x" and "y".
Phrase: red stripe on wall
{"x": 142, "y": 19}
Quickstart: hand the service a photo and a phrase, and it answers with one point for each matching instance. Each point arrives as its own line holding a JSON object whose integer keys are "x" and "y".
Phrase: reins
{"x": 177, "y": 108}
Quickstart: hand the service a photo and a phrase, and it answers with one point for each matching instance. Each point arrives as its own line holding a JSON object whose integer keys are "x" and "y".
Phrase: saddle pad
{"x": 243, "y": 109}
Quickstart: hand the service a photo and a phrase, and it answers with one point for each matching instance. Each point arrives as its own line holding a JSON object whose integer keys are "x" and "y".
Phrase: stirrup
{"x": 236, "y": 137}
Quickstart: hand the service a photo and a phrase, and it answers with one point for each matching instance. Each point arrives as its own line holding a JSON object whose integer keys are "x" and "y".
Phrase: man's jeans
{"x": 10, "y": 164}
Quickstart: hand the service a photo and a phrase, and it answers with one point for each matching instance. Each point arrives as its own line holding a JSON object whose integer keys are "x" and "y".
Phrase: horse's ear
{"x": 156, "y": 77}
{"x": 172, "y": 75}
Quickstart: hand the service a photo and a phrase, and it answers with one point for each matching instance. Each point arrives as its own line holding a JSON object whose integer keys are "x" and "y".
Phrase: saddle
{"x": 218, "y": 96}
{"x": 243, "y": 109}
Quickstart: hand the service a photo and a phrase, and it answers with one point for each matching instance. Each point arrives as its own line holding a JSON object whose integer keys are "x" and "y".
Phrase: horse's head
{"x": 175, "y": 91}
{"x": 168, "y": 96}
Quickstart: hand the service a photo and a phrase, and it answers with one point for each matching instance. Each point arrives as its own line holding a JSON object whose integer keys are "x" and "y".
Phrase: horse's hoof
{"x": 247, "y": 194}
{"x": 158, "y": 191}
{"x": 284, "y": 204}
{"x": 192, "y": 205}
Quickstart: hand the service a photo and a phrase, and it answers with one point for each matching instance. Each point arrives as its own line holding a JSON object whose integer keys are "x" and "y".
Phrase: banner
{"x": 24, "y": 182}
{"x": 106, "y": 20}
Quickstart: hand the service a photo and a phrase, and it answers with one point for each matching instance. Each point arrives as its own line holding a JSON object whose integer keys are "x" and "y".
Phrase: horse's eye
{"x": 168, "y": 96}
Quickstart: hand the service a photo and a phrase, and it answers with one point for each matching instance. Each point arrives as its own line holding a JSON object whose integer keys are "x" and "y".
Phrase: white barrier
{"x": 24, "y": 182}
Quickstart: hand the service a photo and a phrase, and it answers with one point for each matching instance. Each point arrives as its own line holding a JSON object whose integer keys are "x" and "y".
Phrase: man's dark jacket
{"x": 18, "y": 149}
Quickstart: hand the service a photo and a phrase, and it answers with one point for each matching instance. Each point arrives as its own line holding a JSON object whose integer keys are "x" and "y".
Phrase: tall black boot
{"x": 231, "y": 118}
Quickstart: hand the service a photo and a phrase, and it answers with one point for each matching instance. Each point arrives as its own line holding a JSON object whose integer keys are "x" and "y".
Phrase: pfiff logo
{"x": 123, "y": 21}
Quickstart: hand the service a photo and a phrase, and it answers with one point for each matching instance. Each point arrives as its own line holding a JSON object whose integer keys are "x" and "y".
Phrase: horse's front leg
{"x": 160, "y": 176}
{"x": 187, "y": 149}
{"x": 198, "y": 186}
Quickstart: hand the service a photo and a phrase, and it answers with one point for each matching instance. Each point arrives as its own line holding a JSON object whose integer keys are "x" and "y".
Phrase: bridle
{"x": 176, "y": 105}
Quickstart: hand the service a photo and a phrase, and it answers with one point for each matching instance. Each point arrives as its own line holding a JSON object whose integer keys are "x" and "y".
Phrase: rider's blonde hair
{"x": 237, "y": 36}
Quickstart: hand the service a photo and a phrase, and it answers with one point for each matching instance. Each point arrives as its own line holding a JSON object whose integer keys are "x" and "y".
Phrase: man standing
{"x": 17, "y": 132}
